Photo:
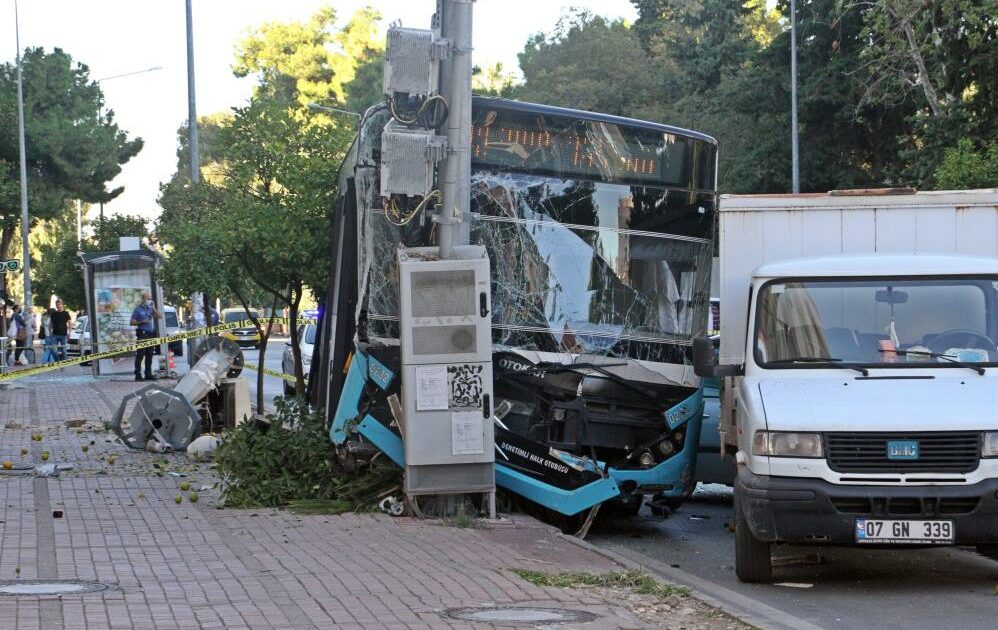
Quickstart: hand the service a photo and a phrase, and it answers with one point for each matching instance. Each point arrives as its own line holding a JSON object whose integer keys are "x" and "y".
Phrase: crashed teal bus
{"x": 600, "y": 232}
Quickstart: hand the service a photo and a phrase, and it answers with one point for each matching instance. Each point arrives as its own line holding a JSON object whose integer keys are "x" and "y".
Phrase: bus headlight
{"x": 784, "y": 444}
{"x": 990, "y": 446}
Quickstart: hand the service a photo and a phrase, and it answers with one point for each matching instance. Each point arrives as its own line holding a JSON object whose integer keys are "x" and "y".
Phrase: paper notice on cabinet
{"x": 467, "y": 433}
{"x": 431, "y": 388}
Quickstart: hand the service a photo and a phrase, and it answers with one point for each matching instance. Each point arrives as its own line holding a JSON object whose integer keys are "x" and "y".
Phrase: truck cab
{"x": 862, "y": 401}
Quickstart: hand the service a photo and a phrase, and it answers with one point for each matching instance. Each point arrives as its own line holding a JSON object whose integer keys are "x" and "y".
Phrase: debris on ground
{"x": 661, "y": 605}
{"x": 203, "y": 448}
{"x": 392, "y": 506}
{"x": 319, "y": 506}
{"x": 794, "y": 584}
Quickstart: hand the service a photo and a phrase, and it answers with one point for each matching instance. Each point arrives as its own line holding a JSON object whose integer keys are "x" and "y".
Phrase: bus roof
{"x": 520, "y": 106}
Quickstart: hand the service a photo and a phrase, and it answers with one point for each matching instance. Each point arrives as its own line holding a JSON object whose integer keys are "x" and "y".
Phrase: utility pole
{"x": 26, "y": 268}
{"x": 192, "y": 116}
{"x": 793, "y": 96}
{"x": 192, "y": 128}
{"x": 455, "y": 86}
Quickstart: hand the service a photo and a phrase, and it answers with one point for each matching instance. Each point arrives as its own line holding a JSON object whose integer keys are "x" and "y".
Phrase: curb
{"x": 739, "y": 606}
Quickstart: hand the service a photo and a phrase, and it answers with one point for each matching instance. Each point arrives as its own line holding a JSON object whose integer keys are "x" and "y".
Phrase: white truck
{"x": 860, "y": 372}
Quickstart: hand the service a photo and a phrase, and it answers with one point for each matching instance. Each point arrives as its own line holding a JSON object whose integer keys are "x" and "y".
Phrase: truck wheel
{"x": 753, "y": 558}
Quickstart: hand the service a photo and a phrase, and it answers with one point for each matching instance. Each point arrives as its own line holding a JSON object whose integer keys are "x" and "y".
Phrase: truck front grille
{"x": 905, "y": 506}
{"x": 942, "y": 451}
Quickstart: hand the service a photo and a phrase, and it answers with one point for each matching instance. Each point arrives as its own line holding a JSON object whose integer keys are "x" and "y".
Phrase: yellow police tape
{"x": 148, "y": 343}
{"x": 287, "y": 377}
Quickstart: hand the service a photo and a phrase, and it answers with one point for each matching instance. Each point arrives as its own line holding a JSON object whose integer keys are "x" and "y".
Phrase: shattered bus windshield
{"x": 599, "y": 234}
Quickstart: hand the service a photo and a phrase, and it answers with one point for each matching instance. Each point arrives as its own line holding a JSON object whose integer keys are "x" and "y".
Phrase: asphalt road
{"x": 814, "y": 587}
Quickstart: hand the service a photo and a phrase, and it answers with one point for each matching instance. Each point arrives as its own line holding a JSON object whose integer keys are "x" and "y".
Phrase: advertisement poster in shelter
{"x": 116, "y": 294}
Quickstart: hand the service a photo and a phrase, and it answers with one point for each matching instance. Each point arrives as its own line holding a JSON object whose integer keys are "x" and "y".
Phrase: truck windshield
{"x": 942, "y": 322}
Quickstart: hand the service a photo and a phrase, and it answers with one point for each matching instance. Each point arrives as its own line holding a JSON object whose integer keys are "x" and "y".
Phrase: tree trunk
{"x": 296, "y": 291}
{"x": 6, "y": 238}
{"x": 923, "y": 73}
{"x": 264, "y": 338}
{"x": 263, "y": 348}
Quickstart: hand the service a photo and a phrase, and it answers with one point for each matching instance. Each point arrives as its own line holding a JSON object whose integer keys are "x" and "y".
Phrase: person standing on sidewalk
{"x": 143, "y": 318}
{"x": 59, "y": 320}
{"x": 21, "y": 334}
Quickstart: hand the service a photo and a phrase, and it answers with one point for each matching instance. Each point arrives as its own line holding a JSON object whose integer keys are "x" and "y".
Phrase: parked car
{"x": 247, "y": 336}
{"x": 306, "y": 341}
{"x": 79, "y": 337}
{"x": 173, "y": 327}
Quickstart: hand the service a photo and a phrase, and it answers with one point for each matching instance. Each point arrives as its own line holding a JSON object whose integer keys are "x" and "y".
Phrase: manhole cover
{"x": 516, "y": 616}
{"x": 50, "y": 587}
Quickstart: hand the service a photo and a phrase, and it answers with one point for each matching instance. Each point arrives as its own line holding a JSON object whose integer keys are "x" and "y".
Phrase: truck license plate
{"x": 870, "y": 530}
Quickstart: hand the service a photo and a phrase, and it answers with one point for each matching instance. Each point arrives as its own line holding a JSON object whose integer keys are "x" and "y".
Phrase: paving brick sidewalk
{"x": 192, "y": 565}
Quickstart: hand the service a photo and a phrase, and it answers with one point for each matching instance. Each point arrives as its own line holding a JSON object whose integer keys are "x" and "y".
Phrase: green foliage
{"x": 107, "y": 231}
{"x": 259, "y": 223}
{"x": 965, "y": 166}
{"x": 309, "y": 61}
{"x": 493, "y": 80}
{"x": 936, "y": 62}
{"x": 73, "y": 147}
{"x": 365, "y": 89}
{"x": 570, "y": 66}
{"x": 633, "y": 580}
{"x": 291, "y": 462}
{"x": 288, "y": 460}
{"x": 865, "y": 115}
{"x": 55, "y": 253}
{"x": 54, "y": 259}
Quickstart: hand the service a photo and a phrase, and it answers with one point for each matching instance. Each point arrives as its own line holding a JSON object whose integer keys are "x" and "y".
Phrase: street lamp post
{"x": 192, "y": 116}
{"x": 26, "y": 268}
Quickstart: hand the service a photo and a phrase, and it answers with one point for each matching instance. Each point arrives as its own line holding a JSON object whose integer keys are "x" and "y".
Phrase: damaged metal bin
{"x": 167, "y": 419}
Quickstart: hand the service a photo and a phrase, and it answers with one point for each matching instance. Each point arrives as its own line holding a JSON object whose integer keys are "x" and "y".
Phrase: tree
{"x": 493, "y": 80}
{"x": 966, "y": 166}
{"x": 311, "y": 61}
{"x": 366, "y": 87}
{"x": 940, "y": 57}
{"x": 278, "y": 197}
{"x": 697, "y": 42}
{"x": 260, "y": 223}
{"x": 73, "y": 149}
{"x": 570, "y": 66}
{"x": 55, "y": 249}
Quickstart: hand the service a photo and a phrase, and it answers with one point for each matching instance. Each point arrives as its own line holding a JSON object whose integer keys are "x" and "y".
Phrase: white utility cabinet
{"x": 447, "y": 398}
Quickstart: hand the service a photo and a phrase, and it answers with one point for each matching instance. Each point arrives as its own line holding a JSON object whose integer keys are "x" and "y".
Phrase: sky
{"x": 115, "y": 37}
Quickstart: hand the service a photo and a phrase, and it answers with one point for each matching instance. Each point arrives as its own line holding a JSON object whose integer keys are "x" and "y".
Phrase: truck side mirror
{"x": 704, "y": 357}
{"x": 705, "y": 361}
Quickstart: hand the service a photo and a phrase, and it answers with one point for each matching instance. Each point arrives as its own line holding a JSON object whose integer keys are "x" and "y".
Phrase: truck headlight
{"x": 783, "y": 444}
{"x": 990, "y": 446}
